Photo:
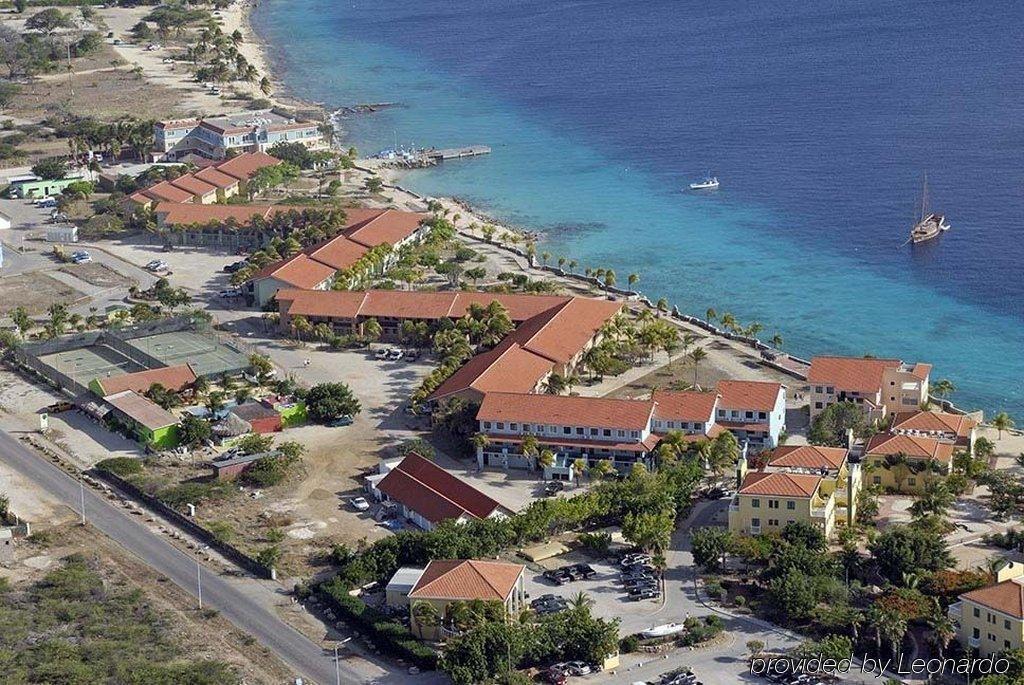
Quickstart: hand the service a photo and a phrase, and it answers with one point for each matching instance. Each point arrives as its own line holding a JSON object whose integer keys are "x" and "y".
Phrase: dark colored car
{"x": 578, "y": 571}
{"x": 235, "y": 266}
{"x": 558, "y": 576}
{"x": 641, "y": 582}
{"x": 554, "y": 487}
{"x": 640, "y": 595}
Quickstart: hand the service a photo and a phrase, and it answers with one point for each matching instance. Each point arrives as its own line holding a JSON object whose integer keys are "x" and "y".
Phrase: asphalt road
{"x": 307, "y": 658}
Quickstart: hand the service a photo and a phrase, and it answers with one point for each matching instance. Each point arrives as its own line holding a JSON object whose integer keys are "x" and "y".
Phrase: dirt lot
{"x": 34, "y": 291}
{"x": 97, "y": 274}
{"x": 202, "y": 635}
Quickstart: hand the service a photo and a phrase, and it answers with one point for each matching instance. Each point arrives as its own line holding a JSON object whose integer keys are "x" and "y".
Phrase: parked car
{"x": 81, "y": 259}
{"x": 235, "y": 266}
{"x": 156, "y": 265}
{"x": 58, "y": 407}
{"x": 558, "y": 576}
{"x": 640, "y": 583}
{"x": 555, "y": 674}
{"x": 644, "y": 593}
{"x": 230, "y": 292}
{"x": 634, "y": 559}
{"x": 394, "y": 354}
{"x": 578, "y": 668}
{"x": 412, "y": 355}
{"x": 341, "y": 421}
{"x": 382, "y": 353}
{"x": 360, "y": 504}
{"x": 637, "y": 572}
{"x": 578, "y": 571}
{"x": 553, "y": 488}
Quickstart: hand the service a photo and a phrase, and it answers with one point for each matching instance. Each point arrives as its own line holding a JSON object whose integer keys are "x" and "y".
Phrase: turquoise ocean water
{"x": 820, "y": 121}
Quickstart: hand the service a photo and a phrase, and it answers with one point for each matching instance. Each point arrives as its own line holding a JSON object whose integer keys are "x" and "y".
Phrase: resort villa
{"x": 991, "y": 619}
{"x": 214, "y": 137}
{"x": 881, "y": 386}
{"x": 426, "y": 494}
{"x": 210, "y": 185}
{"x": 769, "y": 500}
{"x": 841, "y": 476}
{"x": 905, "y": 463}
{"x": 959, "y": 430}
{"x": 317, "y": 267}
{"x": 621, "y": 431}
{"x": 446, "y": 581}
{"x": 755, "y": 412}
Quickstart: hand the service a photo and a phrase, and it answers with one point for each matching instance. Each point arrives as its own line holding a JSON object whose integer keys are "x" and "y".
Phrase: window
{"x": 567, "y": 430}
{"x": 579, "y": 431}
{"x": 513, "y": 426}
{"x": 620, "y": 433}
{"x": 829, "y": 390}
{"x": 501, "y": 425}
{"x": 607, "y": 432}
{"x": 991, "y": 637}
{"x": 1006, "y": 623}
{"x": 756, "y": 523}
{"x": 1006, "y": 644}
{"x": 634, "y": 434}
{"x": 977, "y": 633}
{"x": 755, "y": 503}
{"x": 773, "y": 504}
{"x": 593, "y": 431}
{"x": 911, "y": 481}
{"x": 762, "y": 415}
{"x": 991, "y": 618}
{"x": 817, "y": 405}
{"x": 977, "y": 612}
{"x": 749, "y": 414}
{"x": 790, "y": 504}
{"x": 487, "y": 424}
{"x": 877, "y": 480}
{"x": 773, "y": 522}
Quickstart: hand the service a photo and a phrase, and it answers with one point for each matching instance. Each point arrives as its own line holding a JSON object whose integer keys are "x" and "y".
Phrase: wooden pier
{"x": 457, "y": 152}
{"x": 427, "y": 157}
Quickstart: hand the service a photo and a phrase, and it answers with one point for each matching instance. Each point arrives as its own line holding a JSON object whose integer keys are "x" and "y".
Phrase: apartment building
{"x": 990, "y": 620}
{"x": 958, "y": 430}
{"x": 208, "y": 186}
{"x": 881, "y": 386}
{"x": 841, "y": 477}
{"x": 768, "y": 501}
{"x": 906, "y": 463}
{"x": 622, "y": 432}
{"x": 754, "y": 411}
{"x": 214, "y": 137}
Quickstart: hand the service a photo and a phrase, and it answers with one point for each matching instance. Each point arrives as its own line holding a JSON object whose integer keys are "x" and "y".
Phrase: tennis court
{"x": 205, "y": 353}
{"x": 86, "y": 363}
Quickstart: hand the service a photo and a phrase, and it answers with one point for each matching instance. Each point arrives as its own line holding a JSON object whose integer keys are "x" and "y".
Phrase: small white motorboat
{"x": 664, "y": 630}
{"x": 709, "y": 183}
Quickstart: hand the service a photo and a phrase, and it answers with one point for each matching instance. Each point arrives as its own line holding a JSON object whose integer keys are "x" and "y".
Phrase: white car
{"x": 360, "y": 504}
{"x": 156, "y": 265}
{"x": 230, "y": 292}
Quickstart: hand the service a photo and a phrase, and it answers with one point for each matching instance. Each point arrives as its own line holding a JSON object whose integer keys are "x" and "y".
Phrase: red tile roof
{"x": 216, "y": 178}
{"x": 338, "y": 253}
{"x": 168, "y": 192}
{"x": 933, "y": 422}
{"x": 172, "y": 213}
{"x": 753, "y": 395}
{"x": 174, "y": 378}
{"x": 388, "y": 227}
{"x": 467, "y": 579}
{"x": 854, "y": 374}
{"x": 299, "y": 271}
{"x": 1007, "y": 597}
{"x": 508, "y": 368}
{"x": 566, "y": 410}
{"x": 243, "y": 166}
{"x": 780, "y": 484}
{"x": 563, "y": 331}
{"x": 914, "y": 447}
{"x": 685, "y": 405}
{"x": 433, "y": 493}
{"x": 808, "y": 457}
{"x": 336, "y": 304}
{"x": 194, "y": 185}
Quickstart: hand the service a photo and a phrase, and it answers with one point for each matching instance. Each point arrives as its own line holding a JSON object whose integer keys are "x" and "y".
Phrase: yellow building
{"x": 769, "y": 501}
{"x": 839, "y": 477}
{"x": 444, "y": 582}
{"x": 906, "y": 463}
{"x": 880, "y": 386}
{"x": 991, "y": 619}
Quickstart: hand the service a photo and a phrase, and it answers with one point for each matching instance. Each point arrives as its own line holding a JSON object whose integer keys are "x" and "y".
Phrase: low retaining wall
{"x": 230, "y": 552}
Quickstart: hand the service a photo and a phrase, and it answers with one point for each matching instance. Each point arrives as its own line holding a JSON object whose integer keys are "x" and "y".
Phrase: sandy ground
{"x": 201, "y": 635}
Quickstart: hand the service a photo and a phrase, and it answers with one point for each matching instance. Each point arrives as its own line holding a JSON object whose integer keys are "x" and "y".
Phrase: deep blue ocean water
{"x": 818, "y": 118}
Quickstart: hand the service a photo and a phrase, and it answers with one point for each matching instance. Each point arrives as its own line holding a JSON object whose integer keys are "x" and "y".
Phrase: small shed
{"x": 234, "y": 465}
{"x": 260, "y": 417}
{"x": 396, "y": 594}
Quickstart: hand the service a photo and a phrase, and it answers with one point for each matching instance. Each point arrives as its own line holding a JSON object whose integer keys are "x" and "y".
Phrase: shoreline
{"x": 468, "y": 216}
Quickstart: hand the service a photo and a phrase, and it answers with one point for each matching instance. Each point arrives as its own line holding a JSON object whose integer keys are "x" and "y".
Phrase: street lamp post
{"x": 199, "y": 582}
{"x": 81, "y": 493}
{"x": 337, "y": 662}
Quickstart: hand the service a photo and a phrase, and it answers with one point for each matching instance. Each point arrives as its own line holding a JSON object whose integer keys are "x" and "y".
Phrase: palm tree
{"x": 530, "y": 445}
{"x": 579, "y": 467}
{"x": 728, "y": 321}
{"x": 580, "y": 601}
{"x": 943, "y": 388}
{"x": 943, "y": 630}
{"x": 934, "y": 501}
{"x": 776, "y": 341}
{"x": 372, "y": 329}
{"x": 1002, "y": 422}
{"x": 555, "y": 384}
{"x": 301, "y": 326}
{"x": 633, "y": 279}
{"x": 426, "y": 616}
{"x": 697, "y": 355}
{"x": 480, "y": 441}
{"x": 601, "y": 469}
{"x": 711, "y": 314}
{"x": 572, "y": 265}
{"x": 609, "y": 279}
{"x": 546, "y": 460}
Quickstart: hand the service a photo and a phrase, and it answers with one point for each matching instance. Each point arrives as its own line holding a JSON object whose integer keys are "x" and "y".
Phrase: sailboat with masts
{"x": 929, "y": 226}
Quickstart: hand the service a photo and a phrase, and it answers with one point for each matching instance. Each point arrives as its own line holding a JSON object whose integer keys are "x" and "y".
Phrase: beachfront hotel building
{"x": 622, "y": 432}
{"x": 841, "y": 477}
{"x": 958, "y": 430}
{"x": 990, "y": 620}
{"x": 880, "y": 386}
{"x": 768, "y": 501}
{"x": 215, "y": 137}
{"x": 753, "y": 411}
{"x": 906, "y": 463}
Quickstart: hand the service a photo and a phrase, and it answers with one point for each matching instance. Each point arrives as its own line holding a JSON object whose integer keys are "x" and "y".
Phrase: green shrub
{"x": 629, "y": 644}
{"x": 390, "y": 637}
{"x": 120, "y": 466}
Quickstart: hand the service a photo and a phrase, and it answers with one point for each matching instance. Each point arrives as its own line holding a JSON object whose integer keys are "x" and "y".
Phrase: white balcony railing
{"x": 974, "y": 642}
